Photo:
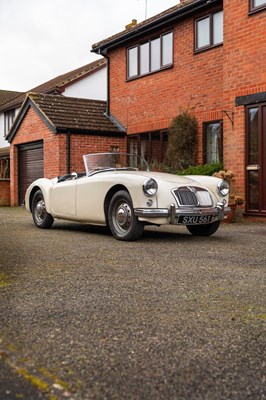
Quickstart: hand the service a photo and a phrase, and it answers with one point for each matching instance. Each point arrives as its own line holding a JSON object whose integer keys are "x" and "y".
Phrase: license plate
{"x": 194, "y": 220}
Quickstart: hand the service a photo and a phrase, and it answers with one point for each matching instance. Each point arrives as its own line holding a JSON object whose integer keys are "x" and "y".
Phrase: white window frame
{"x": 151, "y": 65}
{"x": 211, "y": 30}
{"x": 254, "y": 7}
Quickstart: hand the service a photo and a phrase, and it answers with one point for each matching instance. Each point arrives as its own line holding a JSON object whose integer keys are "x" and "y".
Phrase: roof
{"x": 64, "y": 80}
{"x": 69, "y": 114}
{"x": 57, "y": 84}
{"x": 181, "y": 10}
{"x": 8, "y": 95}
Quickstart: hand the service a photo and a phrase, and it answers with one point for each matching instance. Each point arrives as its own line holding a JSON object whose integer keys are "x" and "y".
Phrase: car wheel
{"x": 204, "y": 230}
{"x": 123, "y": 223}
{"x": 41, "y": 217}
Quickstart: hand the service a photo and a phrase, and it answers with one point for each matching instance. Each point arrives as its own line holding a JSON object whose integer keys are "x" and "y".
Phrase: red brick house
{"x": 205, "y": 55}
{"x": 50, "y": 135}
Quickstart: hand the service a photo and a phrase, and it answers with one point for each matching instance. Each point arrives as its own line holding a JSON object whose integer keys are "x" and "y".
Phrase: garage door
{"x": 30, "y": 166}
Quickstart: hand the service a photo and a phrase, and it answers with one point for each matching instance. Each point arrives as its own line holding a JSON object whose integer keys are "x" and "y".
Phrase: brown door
{"x": 256, "y": 159}
{"x": 30, "y": 166}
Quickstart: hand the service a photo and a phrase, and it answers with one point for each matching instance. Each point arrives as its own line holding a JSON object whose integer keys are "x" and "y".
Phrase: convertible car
{"x": 119, "y": 191}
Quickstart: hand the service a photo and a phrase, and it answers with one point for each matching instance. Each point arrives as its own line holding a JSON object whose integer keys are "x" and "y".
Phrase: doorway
{"x": 256, "y": 159}
{"x": 30, "y": 166}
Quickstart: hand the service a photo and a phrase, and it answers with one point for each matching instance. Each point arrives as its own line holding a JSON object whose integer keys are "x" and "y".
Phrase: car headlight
{"x": 150, "y": 187}
{"x": 223, "y": 188}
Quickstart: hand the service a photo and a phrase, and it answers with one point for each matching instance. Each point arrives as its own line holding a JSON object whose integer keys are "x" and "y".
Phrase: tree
{"x": 182, "y": 141}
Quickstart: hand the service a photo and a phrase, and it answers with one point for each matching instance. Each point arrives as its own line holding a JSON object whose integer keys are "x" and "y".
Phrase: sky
{"x": 42, "y": 39}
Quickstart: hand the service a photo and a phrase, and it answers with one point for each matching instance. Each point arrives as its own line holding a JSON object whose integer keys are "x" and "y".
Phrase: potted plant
{"x": 234, "y": 199}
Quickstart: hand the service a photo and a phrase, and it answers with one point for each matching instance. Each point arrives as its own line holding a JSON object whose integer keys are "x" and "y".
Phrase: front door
{"x": 256, "y": 159}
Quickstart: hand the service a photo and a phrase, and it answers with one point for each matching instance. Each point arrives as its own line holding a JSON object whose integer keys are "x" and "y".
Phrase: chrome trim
{"x": 172, "y": 212}
{"x": 145, "y": 191}
{"x": 151, "y": 212}
{"x": 220, "y": 188}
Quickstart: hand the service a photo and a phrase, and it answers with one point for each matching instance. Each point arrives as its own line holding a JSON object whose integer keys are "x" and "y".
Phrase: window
{"x": 9, "y": 119}
{"x": 133, "y": 62}
{"x": 144, "y": 59}
{"x": 256, "y": 5}
{"x": 209, "y": 31}
{"x": 150, "y": 56}
{"x": 213, "y": 142}
{"x": 4, "y": 167}
{"x": 152, "y": 145}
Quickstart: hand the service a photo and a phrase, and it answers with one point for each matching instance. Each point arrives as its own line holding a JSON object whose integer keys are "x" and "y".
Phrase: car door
{"x": 90, "y": 196}
{"x": 63, "y": 199}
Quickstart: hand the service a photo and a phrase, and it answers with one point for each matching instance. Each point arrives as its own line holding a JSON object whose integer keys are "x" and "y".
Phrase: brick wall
{"x": 84, "y": 144}
{"x": 4, "y": 192}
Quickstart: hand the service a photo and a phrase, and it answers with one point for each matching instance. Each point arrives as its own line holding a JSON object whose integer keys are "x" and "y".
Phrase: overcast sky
{"x": 41, "y": 39}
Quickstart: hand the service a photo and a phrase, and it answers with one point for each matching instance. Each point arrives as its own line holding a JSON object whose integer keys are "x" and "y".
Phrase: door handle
{"x": 254, "y": 167}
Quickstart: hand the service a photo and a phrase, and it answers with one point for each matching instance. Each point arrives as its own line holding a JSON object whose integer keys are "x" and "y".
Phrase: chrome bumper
{"x": 172, "y": 213}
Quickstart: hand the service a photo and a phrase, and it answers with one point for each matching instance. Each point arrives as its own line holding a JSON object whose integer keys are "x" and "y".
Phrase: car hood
{"x": 164, "y": 177}
{"x": 171, "y": 178}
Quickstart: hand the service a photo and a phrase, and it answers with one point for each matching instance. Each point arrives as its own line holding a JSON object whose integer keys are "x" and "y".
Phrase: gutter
{"x": 68, "y": 152}
{"x": 104, "y": 53}
{"x": 76, "y": 131}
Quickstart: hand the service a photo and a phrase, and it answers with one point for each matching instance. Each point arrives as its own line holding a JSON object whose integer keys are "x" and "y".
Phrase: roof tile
{"x": 8, "y": 95}
{"x": 69, "y": 113}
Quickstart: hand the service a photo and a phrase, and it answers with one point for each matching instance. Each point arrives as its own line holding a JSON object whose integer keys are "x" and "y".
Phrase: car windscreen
{"x": 113, "y": 161}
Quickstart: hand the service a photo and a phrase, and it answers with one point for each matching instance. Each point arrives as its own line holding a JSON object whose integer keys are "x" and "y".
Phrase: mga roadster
{"x": 120, "y": 191}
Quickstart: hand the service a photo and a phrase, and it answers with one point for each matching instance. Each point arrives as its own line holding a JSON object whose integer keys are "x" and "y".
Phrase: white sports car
{"x": 119, "y": 191}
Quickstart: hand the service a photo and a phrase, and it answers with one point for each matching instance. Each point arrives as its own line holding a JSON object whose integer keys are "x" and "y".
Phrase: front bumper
{"x": 173, "y": 213}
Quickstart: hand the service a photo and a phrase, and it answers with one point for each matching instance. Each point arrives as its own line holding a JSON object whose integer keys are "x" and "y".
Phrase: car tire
{"x": 204, "y": 230}
{"x": 41, "y": 217}
{"x": 123, "y": 224}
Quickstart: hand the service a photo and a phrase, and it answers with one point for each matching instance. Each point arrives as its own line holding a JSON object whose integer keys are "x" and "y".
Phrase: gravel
{"x": 171, "y": 316}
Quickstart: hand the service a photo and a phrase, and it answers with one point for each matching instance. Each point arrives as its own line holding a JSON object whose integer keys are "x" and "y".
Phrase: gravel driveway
{"x": 172, "y": 316}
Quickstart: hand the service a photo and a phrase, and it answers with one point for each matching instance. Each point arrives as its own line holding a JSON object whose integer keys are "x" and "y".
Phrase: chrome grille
{"x": 186, "y": 197}
{"x": 192, "y": 196}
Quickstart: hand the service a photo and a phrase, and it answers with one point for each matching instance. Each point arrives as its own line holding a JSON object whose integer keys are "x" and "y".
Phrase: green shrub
{"x": 206, "y": 169}
{"x": 182, "y": 141}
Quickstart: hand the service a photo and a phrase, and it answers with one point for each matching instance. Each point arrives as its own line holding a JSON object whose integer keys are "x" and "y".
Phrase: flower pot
{"x": 232, "y": 215}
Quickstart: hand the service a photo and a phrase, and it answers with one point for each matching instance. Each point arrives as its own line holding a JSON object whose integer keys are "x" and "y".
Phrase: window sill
{"x": 256, "y": 10}
{"x": 197, "y": 51}
{"x": 133, "y": 78}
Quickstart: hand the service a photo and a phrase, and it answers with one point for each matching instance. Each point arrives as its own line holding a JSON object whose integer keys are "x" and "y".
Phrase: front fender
{"x": 211, "y": 183}
{"x": 45, "y": 186}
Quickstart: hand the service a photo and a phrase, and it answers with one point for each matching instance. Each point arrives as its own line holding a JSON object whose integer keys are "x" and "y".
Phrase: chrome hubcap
{"x": 123, "y": 216}
{"x": 40, "y": 210}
